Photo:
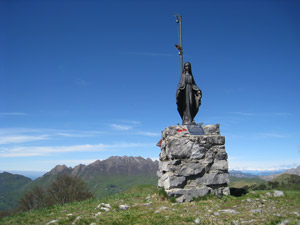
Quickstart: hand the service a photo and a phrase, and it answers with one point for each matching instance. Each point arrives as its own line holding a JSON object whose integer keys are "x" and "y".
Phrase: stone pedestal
{"x": 193, "y": 165}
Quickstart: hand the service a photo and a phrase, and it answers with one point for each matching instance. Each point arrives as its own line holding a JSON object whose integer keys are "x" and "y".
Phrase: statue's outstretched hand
{"x": 198, "y": 93}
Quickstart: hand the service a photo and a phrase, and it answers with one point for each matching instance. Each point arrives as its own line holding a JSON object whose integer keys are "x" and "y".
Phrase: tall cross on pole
{"x": 179, "y": 47}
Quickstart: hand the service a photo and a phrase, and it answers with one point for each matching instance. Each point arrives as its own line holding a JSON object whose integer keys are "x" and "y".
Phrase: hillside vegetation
{"x": 287, "y": 182}
{"x": 11, "y": 186}
{"x": 240, "y": 182}
{"x": 65, "y": 189}
{"x": 106, "y": 177}
{"x": 144, "y": 205}
{"x": 283, "y": 182}
{"x": 295, "y": 171}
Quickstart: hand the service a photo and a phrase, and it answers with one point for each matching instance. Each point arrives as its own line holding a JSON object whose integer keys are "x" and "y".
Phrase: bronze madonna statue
{"x": 188, "y": 96}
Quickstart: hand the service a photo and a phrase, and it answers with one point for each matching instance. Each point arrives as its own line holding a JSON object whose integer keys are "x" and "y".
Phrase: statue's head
{"x": 188, "y": 67}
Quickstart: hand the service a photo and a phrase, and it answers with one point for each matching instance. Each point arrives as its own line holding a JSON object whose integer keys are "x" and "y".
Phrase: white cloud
{"x": 47, "y": 150}
{"x": 7, "y": 131}
{"x": 79, "y": 134}
{"x": 48, "y": 132}
{"x": 272, "y": 135}
{"x": 95, "y": 132}
{"x": 65, "y": 134}
{"x": 121, "y": 127}
{"x": 12, "y": 114}
{"x": 276, "y": 114}
{"x": 282, "y": 114}
{"x": 244, "y": 114}
{"x": 21, "y": 139}
{"x": 150, "y": 134}
{"x": 134, "y": 122}
{"x": 238, "y": 163}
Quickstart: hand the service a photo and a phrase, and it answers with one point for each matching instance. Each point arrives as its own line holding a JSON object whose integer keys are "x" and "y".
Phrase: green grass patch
{"x": 210, "y": 210}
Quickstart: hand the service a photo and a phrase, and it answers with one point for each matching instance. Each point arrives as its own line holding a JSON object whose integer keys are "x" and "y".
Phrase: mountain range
{"x": 108, "y": 176}
{"x": 294, "y": 171}
{"x": 103, "y": 177}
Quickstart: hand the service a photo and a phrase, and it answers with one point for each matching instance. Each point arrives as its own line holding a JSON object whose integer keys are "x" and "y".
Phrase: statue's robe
{"x": 188, "y": 102}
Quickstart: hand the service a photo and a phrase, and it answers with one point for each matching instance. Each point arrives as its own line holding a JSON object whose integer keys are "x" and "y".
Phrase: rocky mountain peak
{"x": 61, "y": 169}
{"x": 294, "y": 171}
{"x": 125, "y": 165}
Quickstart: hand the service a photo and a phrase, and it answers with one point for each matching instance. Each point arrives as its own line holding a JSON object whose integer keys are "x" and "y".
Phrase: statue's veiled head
{"x": 187, "y": 68}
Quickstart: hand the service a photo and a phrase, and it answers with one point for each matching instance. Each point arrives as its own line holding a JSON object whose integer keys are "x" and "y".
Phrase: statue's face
{"x": 187, "y": 67}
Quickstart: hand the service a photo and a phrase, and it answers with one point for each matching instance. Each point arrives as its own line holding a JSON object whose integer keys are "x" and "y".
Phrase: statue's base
{"x": 192, "y": 164}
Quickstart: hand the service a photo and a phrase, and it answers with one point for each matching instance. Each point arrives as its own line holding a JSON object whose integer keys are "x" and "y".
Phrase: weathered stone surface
{"x": 179, "y": 148}
{"x": 163, "y": 156}
{"x": 215, "y": 139}
{"x": 213, "y": 179}
{"x": 163, "y": 166}
{"x": 192, "y": 192}
{"x": 212, "y": 129}
{"x": 190, "y": 169}
{"x": 221, "y": 155}
{"x": 226, "y": 191}
{"x": 219, "y": 165}
{"x": 198, "y": 152}
{"x": 173, "y": 181}
{"x": 193, "y": 165}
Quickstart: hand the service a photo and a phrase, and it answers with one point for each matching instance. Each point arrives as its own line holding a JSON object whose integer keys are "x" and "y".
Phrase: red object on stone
{"x": 159, "y": 143}
{"x": 182, "y": 130}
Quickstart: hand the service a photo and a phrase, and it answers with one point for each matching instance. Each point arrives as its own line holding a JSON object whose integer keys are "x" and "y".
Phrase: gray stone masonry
{"x": 193, "y": 165}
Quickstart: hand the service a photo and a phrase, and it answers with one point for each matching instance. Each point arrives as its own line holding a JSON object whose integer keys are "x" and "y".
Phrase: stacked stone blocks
{"x": 193, "y": 165}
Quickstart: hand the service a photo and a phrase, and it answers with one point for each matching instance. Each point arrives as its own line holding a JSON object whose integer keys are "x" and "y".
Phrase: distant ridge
{"x": 294, "y": 171}
{"x": 30, "y": 174}
{"x": 240, "y": 174}
{"x": 109, "y": 176}
{"x": 114, "y": 165}
{"x": 103, "y": 177}
{"x": 11, "y": 189}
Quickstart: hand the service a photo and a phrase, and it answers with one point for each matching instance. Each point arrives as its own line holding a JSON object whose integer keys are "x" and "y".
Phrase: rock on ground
{"x": 124, "y": 207}
{"x": 197, "y": 221}
{"x": 52, "y": 221}
{"x": 76, "y": 220}
{"x": 278, "y": 193}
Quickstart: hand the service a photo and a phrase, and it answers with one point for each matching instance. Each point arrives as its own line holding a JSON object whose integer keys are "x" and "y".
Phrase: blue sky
{"x": 85, "y": 80}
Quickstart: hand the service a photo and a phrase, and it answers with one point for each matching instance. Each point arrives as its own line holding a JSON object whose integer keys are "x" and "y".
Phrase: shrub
{"x": 68, "y": 188}
{"x": 65, "y": 189}
{"x": 33, "y": 199}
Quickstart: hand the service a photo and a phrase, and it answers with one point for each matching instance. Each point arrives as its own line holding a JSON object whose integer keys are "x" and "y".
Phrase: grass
{"x": 238, "y": 182}
{"x": 210, "y": 210}
{"x": 108, "y": 185}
